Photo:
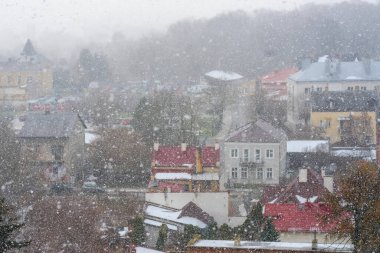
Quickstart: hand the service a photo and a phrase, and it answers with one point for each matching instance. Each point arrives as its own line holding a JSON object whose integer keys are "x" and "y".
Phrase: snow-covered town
{"x": 252, "y": 128}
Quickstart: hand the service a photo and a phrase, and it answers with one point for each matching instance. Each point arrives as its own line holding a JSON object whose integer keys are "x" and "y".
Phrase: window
{"x": 319, "y": 89}
{"x": 234, "y": 153}
{"x": 29, "y": 79}
{"x": 325, "y": 123}
{"x": 356, "y": 87}
{"x": 10, "y": 80}
{"x": 234, "y": 172}
{"x": 363, "y": 88}
{"x": 18, "y": 80}
{"x": 269, "y": 173}
{"x": 269, "y": 153}
{"x": 350, "y": 88}
{"x": 57, "y": 152}
{"x": 257, "y": 155}
{"x": 307, "y": 91}
{"x": 244, "y": 172}
{"x": 245, "y": 155}
{"x": 259, "y": 173}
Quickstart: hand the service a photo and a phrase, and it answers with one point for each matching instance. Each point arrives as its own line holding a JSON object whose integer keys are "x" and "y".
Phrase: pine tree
{"x": 162, "y": 237}
{"x": 138, "y": 232}
{"x": 7, "y": 227}
{"x": 225, "y": 232}
{"x": 269, "y": 233}
{"x": 252, "y": 226}
{"x": 188, "y": 233}
{"x": 211, "y": 231}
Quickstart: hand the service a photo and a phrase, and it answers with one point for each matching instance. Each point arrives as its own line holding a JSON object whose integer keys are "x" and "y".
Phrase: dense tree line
{"x": 249, "y": 43}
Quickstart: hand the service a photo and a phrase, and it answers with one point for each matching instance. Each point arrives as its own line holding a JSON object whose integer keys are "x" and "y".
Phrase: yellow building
{"x": 28, "y": 77}
{"x": 347, "y": 118}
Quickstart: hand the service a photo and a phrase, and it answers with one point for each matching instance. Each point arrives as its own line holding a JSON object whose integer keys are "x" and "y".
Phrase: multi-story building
{"x": 345, "y": 117}
{"x": 275, "y": 83}
{"x": 330, "y": 75}
{"x": 185, "y": 169}
{"x": 52, "y": 144}
{"x": 254, "y": 154}
{"x": 28, "y": 77}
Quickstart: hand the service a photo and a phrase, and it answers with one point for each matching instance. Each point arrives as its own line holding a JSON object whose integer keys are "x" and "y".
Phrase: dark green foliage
{"x": 162, "y": 237}
{"x": 93, "y": 67}
{"x": 211, "y": 231}
{"x": 189, "y": 233}
{"x": 269, "y": 233}
{"x": 225, "y": 232}
{"x": 7, "y": 228}
{"x": 138, "y": 232}
{"x": 252, "y": 226}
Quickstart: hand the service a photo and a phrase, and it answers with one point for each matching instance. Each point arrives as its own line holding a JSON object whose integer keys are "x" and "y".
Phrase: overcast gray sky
{"x": 66, "y": 23}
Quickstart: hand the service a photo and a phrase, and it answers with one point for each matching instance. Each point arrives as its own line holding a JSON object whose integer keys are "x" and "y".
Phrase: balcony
{"x": 250, "y": 163}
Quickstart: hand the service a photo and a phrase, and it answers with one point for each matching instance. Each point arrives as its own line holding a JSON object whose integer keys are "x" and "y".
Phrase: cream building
{"x": 28, "y": 77}
{"x": 331, "y": 75}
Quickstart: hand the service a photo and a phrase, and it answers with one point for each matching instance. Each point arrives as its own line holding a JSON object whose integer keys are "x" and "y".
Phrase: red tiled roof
{"x": 173, "y": 156}
{"x": 288, "y": 194}
{"x": 279, "y": 76}
{"x": 298, "y": 218}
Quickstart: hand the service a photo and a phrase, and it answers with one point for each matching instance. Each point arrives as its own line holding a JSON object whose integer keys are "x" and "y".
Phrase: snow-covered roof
{"x": 205, "y": 177}
{"x": 158, "y": 224}
{"x": 365, "y": 153}
{"x": 170, "y": 215}
{"x": 367, "y": 70}
{"x": 147, "y": 250}
{"x": 271, "y": 245}
{"x": 90, "y": 137}
{"x": 172, "y": 176}
{"x": 224, "y": 75}
{"x": 307, "y": 146}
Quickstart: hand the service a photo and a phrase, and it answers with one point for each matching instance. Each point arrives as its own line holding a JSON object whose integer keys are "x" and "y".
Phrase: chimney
{"x": 198, "y": 160}
{"x": 302, "y": 177}
{"x": 183, "y": 147}
{"x": 156, "y": 146}
{"x": 328, "y": 181}
{"x": 217, "y": 146}
{"x": 314, "y": 242}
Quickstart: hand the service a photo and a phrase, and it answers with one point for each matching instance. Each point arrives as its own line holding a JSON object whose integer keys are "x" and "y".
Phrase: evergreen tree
{"x": 138, "y": 232}
{"x": 225, "y": 232}
{"x": 252, "y": 226}
{"x": 269, "y": 233}
{"x": 211, "y": 231}
{"x": 189, "y": 233}
{"x": 162, "y": 237}
{"x": 7, "y": 227}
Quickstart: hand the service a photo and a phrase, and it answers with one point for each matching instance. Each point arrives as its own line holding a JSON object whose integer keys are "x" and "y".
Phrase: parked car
{"x": 60, "y": 189}
{"x": 92, "y": 187}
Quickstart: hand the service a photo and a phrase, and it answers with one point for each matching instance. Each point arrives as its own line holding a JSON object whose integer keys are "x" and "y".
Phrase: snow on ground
{"x": 146, "y": 250}
{"x": 172, "y": 176}
{"x": 90, "y": 137}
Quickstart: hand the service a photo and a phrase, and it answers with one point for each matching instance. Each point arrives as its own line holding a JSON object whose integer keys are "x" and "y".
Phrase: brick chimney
{"x": 302, "y": 177}
{"x": 183, "y": 147}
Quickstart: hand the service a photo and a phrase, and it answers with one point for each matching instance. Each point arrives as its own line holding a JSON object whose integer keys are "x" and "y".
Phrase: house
{"x": 308, "y": 186}
{"x": 206, "y": 246}
{"x": 300, "y": 222}
{"x": 54, "y": 144}
{"x": 344, "y": 117}
{"x": 328, "y": 75}
{"x": 274, "y": 84}
{"x": 254, "y": 154}
{"x": 28, "y": 77}
{"x": 296, "y": 207}
{"x": 185, "y": 169}
{"x": 175, "y": 219}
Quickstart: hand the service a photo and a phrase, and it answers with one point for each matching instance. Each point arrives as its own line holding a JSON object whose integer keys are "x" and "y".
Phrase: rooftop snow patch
{"x": 223, "y": 75}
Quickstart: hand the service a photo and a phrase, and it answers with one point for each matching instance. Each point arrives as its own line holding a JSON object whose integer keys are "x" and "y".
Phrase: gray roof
{"x": 258, "y": 132}
{"x": 53, "y": 125}
{"x": 343, "y": 101}
{"x": 337, "y": 71}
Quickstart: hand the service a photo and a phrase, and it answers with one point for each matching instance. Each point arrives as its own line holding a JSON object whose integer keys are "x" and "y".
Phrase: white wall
{"x": 214, "y": 203}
